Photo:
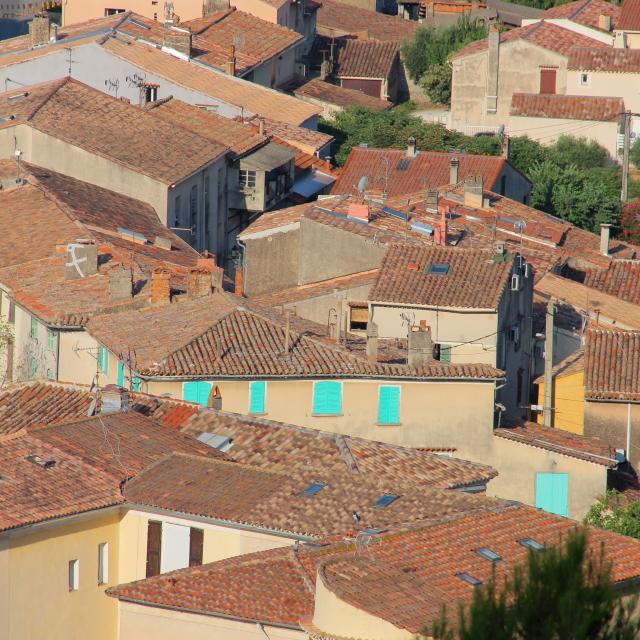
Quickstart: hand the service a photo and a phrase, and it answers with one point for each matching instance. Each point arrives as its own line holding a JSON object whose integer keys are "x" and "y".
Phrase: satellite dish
{"x": 362, "y": 184}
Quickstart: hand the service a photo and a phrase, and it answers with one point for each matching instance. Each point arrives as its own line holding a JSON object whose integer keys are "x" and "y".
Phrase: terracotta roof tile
{"x": 612, "y": 365}
{"x": 629, "y": 16}
{"x": 608, "y": 60}
{"x": 404, "y": 578}
{"x": 473, "y": 279}
{"x": 534, "y": 105}
{"x": 299, "y": 137}
{"x": 586, "y": 12}
{"x": 560, "y": 441}
{"x": 86, "y": 118}
{"x": 366, "y": 59}
{"x": 336, "y": 18}
{"x": 544, "y": 34}
{"x": 403, "y": 175}
{"x": 573, "y": 363}
{"x": 621, "y": 279}
{"x": 317, "y": 89}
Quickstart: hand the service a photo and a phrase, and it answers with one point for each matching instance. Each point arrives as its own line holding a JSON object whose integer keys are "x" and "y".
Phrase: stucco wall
{"x": 519, "y": 71}
{"x": 517, "y": 187}
{"x": 608, "y": 420}
{"x": 78, "y": 358}
{"x": 80, "y": 10}
{"x": 568, "y": 393}
{"x": 148, "y": 623}
{"x": 40, "y": 604}
{"x": 517, "y": 465}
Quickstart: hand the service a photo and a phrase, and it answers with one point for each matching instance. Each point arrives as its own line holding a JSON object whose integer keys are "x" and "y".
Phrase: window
{"x": 103, "y": 360}
{"x": 438, "y": 268}
{"x": 445, "y": 353}
{"x": 113, "y": 12}
{"x": 487, "y": 554}
{"x": 327, "y": 398}
{"x": 196, "y": 544}
{"x": 135, "y": 384}
{"x": 154, "y": 542}
{"x": 247, "y": 179}
{"x": 74, "y": 575}
{"x": 584, "y": 79}
{"x": 177, "y": 211}
{"x": 257, "y": 397}
{"x": 172, "y": 546}
{"x": 50, "y": 374}
{"x": 314, "y": 488}
{"x": 386, "y": 500}
{"x": 34, "y": 328}
{"x": 51, "y": 340}
{"x": 532, "y": 544}
{"x": 468, "y": 578}
{"x": 359, "y": 318}
{"x": 12, "y": 312}
{"x": 503, "y": 185}
{"x": 103, "y": 563}
{"x": 547, "y": 81}
{"x": 33, "y": 368}
{"x": 552, "y": 492}
{"x": 151, "y": 93}
{"x": 388, "y": 404}
{"x": 120, "y": 374}
{"x": 197, "y": 392}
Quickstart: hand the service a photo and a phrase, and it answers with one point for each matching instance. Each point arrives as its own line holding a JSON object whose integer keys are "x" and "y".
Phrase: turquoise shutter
{"x": 135, "y": 384}
{"x": 256, "y": 397}
{"x": 120, "y": 374}
{"x": 100, "y": 350}
{"x": 197, "y": 392}
{"x": 552, "y": 492}
{"x": 327, "y": 398}
{"x": 389, "y": 405}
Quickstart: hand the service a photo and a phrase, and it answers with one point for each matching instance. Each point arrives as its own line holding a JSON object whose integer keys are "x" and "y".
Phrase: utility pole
{"x": 625, "y": 156}
{"x": 548, "y": 365}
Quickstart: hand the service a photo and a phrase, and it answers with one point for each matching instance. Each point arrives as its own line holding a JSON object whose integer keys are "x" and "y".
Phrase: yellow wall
{"x": 34, "y": 580}
{"x": 568, "y": 402}
{"x": 148, "y": 623}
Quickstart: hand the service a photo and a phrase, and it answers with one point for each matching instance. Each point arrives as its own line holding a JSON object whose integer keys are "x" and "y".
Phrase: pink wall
{"x": 81, "y": 10}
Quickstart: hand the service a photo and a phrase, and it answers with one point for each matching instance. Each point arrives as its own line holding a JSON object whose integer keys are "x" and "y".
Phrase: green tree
{"x": 436, "y": 83}
{"x": 561, "y": 593}
{"x": 613, "y": 513}
{"x": 634, "y": 153}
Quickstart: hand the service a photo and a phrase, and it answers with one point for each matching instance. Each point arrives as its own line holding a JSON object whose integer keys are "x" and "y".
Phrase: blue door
{"x": 552, "y": 492}
{"x": 197, "y": 392}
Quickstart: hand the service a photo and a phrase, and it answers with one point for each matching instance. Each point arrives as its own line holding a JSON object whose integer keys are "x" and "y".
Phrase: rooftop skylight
{"x": 472, "y": 580}
{"x": 438, "y": 268}
{"x": 532, "y": 544}
{"x": 313, "y": 488}
{"x": 386, "y": 499}
{"x": 487, "y": 554}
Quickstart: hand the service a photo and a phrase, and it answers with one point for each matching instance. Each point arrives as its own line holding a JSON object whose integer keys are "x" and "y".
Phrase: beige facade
{"x": 617, "y": 423}
{"x": 80, "y": 10}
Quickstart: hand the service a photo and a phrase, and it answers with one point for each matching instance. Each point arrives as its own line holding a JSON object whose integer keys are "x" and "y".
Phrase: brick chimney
{"x": 431, "y": 200}
{"x": 82, "y": 259}
{"x": 39, "y": 30}
{"x": 115, "y": 399}
{"x": 605, "y": 232}
{"x": 120, "y": 283}
{"x": 372, "y": 341}
{"x": 441, "y": 229}
{"x": 199, "y": 282}
{"x": 493, "y": 63}
{"x": 178, "y": 39}
{"x": 160, "y": 286}
{"x": 454, "y": 165}
{"x": 420, "y": 345}
{"x": 473, "y": 191}
{"x": 230, "y": 65}
{"x": 238, "y": 282}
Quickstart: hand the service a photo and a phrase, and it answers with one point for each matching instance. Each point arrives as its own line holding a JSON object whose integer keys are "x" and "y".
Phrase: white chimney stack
{"x": 605, "y": 231}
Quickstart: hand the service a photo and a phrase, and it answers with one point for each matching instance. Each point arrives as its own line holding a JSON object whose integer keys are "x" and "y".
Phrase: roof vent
{"x": 221, "y": 443}
{"x": 45, "y": 463}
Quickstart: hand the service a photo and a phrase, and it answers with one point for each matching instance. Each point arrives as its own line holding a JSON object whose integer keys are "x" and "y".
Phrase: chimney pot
{"x": 605, "y": 232}
{"x": 261, "y": 127}
{"x": 160, "y": 286}
{"x": 454, "y": 165}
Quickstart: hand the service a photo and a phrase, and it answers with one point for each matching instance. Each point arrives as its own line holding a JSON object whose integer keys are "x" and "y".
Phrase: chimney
{"x": 605, "y": 231}
{"x": 238, "y": 282}
{"x": 53, "y": 38}
{"x": 493, "y": 62}
{"x": 604, "y": 22}
{"x": 179, "y": 40}
{"x": 372, "y": 341}
{"x": 431, "y": 200}
{"x": 358, "y": 211}
{"x": 82, "y": 260}
{"x": 120, "y": 283}
{"x": 441, "y": 229}
{"x": 230, "y": 66}
{"x": 148, "y": 93}
{"x": 160, "y": 286}
{"x": 287, "y": 330}
{"x": 420, "y": 345}
{"x": 115, "y": 399}
{"x": 506, "y": 147}
{"x": 473, "y": 191}
{"x": 412, "y": 149}
{"x": 39, "y": 30}
{"x": 261, "y": 126}
{"x": 454, "y": 165}
{"x": 199, "y": 282}
{"x": 214, "y": 401}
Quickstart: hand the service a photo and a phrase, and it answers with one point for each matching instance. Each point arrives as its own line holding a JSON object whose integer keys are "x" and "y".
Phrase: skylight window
{"x": 532, "y": 544}
{"x": 469, "y": 579}
{"x": 313, "y": 488}
{"x": 438, "y": 268}
{"x": 489, "y": 555}
{"x": 45, "y": 463}
{"x": 386, "y": 499}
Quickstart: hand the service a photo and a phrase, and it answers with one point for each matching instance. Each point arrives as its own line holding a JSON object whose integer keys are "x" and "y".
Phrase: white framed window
{"x": 103, "y": 563}
{"x": 74, "y": 575}
{"x": 584, "y": 79}
{"x": 247, "y": 179}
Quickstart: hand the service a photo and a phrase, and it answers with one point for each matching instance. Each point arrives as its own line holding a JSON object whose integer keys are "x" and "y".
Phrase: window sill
{"x": 327, "y": 415}
{"x": 388, "y": 424}
{"x": 264, "y": 413}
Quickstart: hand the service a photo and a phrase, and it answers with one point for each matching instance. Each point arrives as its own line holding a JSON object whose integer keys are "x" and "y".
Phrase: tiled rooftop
{"x": 612, "y": 365}
{"x": 560, "y": 441}
{"x": 299, "y": 137}
{"x": 127, "y": 135}
{"x": 573, "y": 363}
{"x": 366, "y": 59}
{"x": 228, "y": 337}
{"x": 473, "y": 280}
{"x": 336, "y": 18}
{"x": 586, "y": 12}
{"x": 317, "y": 89}
{"x": 415, "y": 570}
{"x": 621, "y": 279}
{"x": 607, "y": 60}
{"x": 535, "y": 105}
{"x": 629, "y": 16}
{"x": 401, "y": 175}
{"x": 543, "y": 34}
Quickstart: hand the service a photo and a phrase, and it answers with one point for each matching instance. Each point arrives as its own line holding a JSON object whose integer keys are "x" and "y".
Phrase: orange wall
{"x": 81, "y": 10}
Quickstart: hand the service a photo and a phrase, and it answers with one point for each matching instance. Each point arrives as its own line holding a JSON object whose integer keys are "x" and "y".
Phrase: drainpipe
{"x": 628, "y": 432}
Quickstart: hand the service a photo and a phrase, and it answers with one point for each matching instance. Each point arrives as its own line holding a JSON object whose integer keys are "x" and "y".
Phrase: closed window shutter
{"x": 154, "y": 540}
{"x": 548, "y": 81}
{"x": 445, "y": 353}
{"x": 196, "y": 392}
{"x": 327, "y": 398}
{"x": 100, "y": 352}
{"x": 552, "y": 492}
{"x": 120, "y": 374}
{"x": 389, "y": 405}
{"x": 196, "y": 543}
{"x": 256, "y": 397}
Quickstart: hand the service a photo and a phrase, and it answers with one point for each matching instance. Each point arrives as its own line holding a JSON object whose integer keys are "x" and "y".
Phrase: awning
{"x": 269, "y": 157}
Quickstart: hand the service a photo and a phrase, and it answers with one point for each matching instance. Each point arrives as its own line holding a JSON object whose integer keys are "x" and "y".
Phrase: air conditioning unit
{"x": 516, "y": 282}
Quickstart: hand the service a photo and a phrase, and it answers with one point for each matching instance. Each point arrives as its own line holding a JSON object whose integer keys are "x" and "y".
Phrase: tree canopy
{"x": 614, "y": 514}
{"x": 561, "y": 593}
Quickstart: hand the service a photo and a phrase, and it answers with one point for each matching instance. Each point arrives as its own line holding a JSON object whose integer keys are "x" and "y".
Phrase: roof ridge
{"x": 56, "y": 86}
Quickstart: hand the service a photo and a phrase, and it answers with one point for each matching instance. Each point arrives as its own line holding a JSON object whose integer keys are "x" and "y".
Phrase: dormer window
{"x": 247, "y": 179}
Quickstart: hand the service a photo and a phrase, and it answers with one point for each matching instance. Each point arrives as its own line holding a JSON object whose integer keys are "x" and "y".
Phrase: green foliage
{"x": 427, "y": 53}
{"x": 562, "y": 593}
{"x": 611, "y": 513}
{"x": 392, "y": 129}
{"x": 634, "y": 153}
{"x": 541, "y": 4}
